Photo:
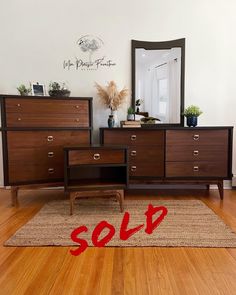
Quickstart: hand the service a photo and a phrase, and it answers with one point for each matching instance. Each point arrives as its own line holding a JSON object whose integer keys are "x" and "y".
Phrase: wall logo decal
{"x": 90, "y": 46}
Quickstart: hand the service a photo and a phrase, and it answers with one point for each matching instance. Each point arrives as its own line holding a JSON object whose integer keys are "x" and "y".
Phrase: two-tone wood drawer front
{"x": 38, "y": 155}
{"x": 31, "y": 139}
{"x": 40, "y": 106}
{"x": 34, "y": 173}
{"x": 196, "y": 137}
{"x": 146, "y": 161}
{"x": 134, "y": 137}
{"x": 146, "y": 150}
{"x": 196, "y": 169}
{"x": 197, "y": 153}
{"x": 96, "y": 156}
{"x": 47, "y": 113}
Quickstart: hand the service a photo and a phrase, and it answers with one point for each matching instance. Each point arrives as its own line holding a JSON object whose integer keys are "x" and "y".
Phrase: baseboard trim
{"x": 234, "y": 182}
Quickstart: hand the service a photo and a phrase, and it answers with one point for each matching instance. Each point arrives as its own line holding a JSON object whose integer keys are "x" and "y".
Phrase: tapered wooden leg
{"x": 208, "y": 187}
{"x": 120, "y": 194}
{"x": 72, "y": 199}
{"x": 221, "y": 189}
{"x": 14, "y": 196}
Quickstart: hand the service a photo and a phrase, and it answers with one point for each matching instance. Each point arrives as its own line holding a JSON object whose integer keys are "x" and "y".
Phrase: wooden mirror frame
{"x": 162, "y": 46}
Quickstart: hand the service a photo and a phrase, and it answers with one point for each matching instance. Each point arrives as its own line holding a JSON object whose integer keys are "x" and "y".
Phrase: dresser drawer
{"x": 34, "y": 173}
{"x": 200, "y": 153}
{"x": 37, "y": 155}
{"x": 196, "y": 169}
{"x": 134, "y": 137}
{"x": 96, "y": 156}
{"x": 47, "y": 120}
{"x": 150, "y": 155}
{"x": 146, "y": 169}
{"x": 196, "y": 137}
{"x": 39, "y": 106}
{"x": 31, "y": 139}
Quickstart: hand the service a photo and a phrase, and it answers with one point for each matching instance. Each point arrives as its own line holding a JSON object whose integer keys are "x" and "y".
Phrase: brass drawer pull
{"x": 50, "y": 154}
{"x": 96, "y": 156}
{"x": 50, "y": 170}
{"x": 195, "y": 153}
{"x": 19, "y": 119}
{"x": 195, "y": 168}
{"x": 133, "y": 168}
{"x": 196, "y": 137}
{"x": 133, "y": 153}
{"x": 18, "y": 104}
{"x": 77, "y": 120}
{"x": 77, "y": 107}
{"x": 133, "y": 137}
{"x": 50, "y": 138}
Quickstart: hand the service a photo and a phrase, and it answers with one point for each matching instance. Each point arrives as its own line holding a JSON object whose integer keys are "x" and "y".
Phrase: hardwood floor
{"x": 53, "y": 270}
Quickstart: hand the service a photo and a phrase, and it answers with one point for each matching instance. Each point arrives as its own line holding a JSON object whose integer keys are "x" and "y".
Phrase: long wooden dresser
{"x": 200, "y": 155}
{"x": 34, "y": 132}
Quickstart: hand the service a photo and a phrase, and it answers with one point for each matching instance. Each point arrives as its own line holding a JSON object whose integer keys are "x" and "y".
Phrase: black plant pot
{"x": 192, "y": 121}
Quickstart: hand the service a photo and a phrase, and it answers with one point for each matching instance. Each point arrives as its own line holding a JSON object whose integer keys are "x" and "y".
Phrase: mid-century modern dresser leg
{"x": 72, "y": 203}
{"x": 120, "y": 194}
{"x": 221, "y": 189}
{"x": 14, "y": 196}
{"x": 208, "y": 187}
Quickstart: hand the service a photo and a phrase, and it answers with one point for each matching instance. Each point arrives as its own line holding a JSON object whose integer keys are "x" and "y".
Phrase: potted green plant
{"x": 130, "y": 114}
{"x": 23, "y": 90}
{"x": 55, "y": 89}
{"x": 192, "y": 113}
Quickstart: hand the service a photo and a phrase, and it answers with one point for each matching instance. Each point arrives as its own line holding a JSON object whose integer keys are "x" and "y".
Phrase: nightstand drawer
{"x": 96, "y": 156}
{"x": 207, "y": 153}
{"x": 196, "y": 137}
{"x": 196, "y": 169}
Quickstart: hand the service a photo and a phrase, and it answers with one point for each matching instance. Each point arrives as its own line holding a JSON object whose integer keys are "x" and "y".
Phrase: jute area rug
{"x": 189, "y": 223}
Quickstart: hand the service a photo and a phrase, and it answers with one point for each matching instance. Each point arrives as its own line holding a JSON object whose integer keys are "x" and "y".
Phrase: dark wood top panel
{"x": 159, "y": 126}
{"x": 9, "y": 96}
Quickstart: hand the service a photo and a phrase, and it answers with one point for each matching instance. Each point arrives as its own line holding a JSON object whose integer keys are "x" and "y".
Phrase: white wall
{"x": 36, "y": 36}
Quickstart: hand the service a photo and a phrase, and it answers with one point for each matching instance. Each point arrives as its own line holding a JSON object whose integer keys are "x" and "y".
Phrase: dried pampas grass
{"x": 110, "y": 96}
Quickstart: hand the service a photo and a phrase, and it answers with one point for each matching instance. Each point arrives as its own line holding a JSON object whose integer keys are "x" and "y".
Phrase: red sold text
{"x": 125, "y": 232}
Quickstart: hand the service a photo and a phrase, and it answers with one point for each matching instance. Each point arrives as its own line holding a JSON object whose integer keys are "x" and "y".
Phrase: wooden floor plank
{"x": 115, "y": 271}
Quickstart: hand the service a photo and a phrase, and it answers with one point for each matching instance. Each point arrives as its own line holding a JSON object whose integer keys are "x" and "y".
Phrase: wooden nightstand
{"x": 95, "y": 170}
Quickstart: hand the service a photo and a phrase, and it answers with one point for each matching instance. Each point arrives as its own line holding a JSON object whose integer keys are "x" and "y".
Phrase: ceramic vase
{"x": 192, "y": 121}
{"x": 111, "y": 121}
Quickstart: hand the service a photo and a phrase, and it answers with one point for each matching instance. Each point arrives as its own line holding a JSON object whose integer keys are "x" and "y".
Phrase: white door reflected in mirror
{"x": 158, "y": 83}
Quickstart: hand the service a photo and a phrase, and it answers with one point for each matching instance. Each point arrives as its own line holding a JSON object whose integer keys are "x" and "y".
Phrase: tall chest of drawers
{"x": 176, "y": 155}
{"x": 35, "y": 130}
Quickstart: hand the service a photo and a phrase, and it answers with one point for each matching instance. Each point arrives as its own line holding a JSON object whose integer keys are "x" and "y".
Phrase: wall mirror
{"x": 158, "y": 80}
